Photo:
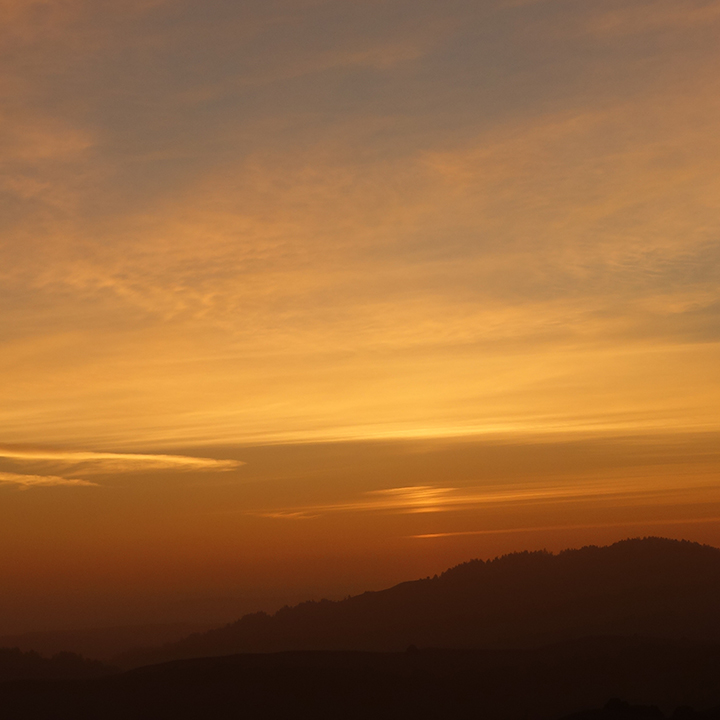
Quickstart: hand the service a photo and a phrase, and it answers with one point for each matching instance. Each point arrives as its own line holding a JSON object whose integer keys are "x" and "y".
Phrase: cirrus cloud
{"x": 100, "y": 462}
{"x": 27, "y": 481}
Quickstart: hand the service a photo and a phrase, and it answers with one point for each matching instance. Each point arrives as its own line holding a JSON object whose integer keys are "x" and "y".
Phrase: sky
{"x": 300, "y": 298}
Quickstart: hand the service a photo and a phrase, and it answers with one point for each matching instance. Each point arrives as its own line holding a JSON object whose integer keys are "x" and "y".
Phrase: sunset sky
{"x": 300, "y": 298}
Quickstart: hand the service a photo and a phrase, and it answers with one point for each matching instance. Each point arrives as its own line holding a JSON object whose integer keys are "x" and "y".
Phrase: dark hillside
{"x": 101, "y": 643}
{"x": 651, "y": 587}
{"x": 17, "y": 665}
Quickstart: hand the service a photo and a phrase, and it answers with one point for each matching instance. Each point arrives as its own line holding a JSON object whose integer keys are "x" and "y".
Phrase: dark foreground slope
{"x": 540, "y": 684}
{"x": 652, "y": 587}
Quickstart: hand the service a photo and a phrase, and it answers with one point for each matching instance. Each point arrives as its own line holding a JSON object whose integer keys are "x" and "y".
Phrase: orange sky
{"x": 302, "y": 297}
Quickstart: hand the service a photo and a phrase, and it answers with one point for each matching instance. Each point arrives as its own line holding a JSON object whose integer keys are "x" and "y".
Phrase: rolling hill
{"x": 650, "y": 587}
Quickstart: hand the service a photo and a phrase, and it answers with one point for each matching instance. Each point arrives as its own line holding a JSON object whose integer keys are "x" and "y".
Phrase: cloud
{"x": 655, "y": 16}
{"x": 100, "y": 462}
{"x": 316, "y": 220}
{"x": 28, "y": 481}
{"x": 609, "y": 21}
{"x": 433, "y": 499}
{"x": 38, "y": 139}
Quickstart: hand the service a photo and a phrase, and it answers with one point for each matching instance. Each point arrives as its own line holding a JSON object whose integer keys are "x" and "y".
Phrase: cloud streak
{"x": 546, "y": 528}
{"x": 30, "y": 481}
{"x": 119, "y": 462}
{"x": 433, "y": 499}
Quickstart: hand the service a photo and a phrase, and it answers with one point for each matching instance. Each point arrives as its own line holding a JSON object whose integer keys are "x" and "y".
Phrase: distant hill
{"x": 101, "y": 643}
{"x": 18, "y": 665}
{"x": 651, "y": 587}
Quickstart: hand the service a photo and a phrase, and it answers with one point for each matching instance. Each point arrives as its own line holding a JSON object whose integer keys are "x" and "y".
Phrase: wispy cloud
{"x": 432, "y": 499}
{"x": 655, "y": 16}
{"x": 433, "y": 191}
{"x": 119, "y": 462}
{"x": 28, "y": 481}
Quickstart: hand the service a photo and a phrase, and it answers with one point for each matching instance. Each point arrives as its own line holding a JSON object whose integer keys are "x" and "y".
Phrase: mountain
{"x": 18, "y": 665}
{"x": 101, "y": 643}
{"x": 651, "y": 586}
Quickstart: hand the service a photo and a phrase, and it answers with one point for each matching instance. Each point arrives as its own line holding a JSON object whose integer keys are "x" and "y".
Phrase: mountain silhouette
{"x": 528, "y": 635}
{"x": 101, "y": 643}
{"x": 652, "y": 587}
{"x": 18, "y": 665}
